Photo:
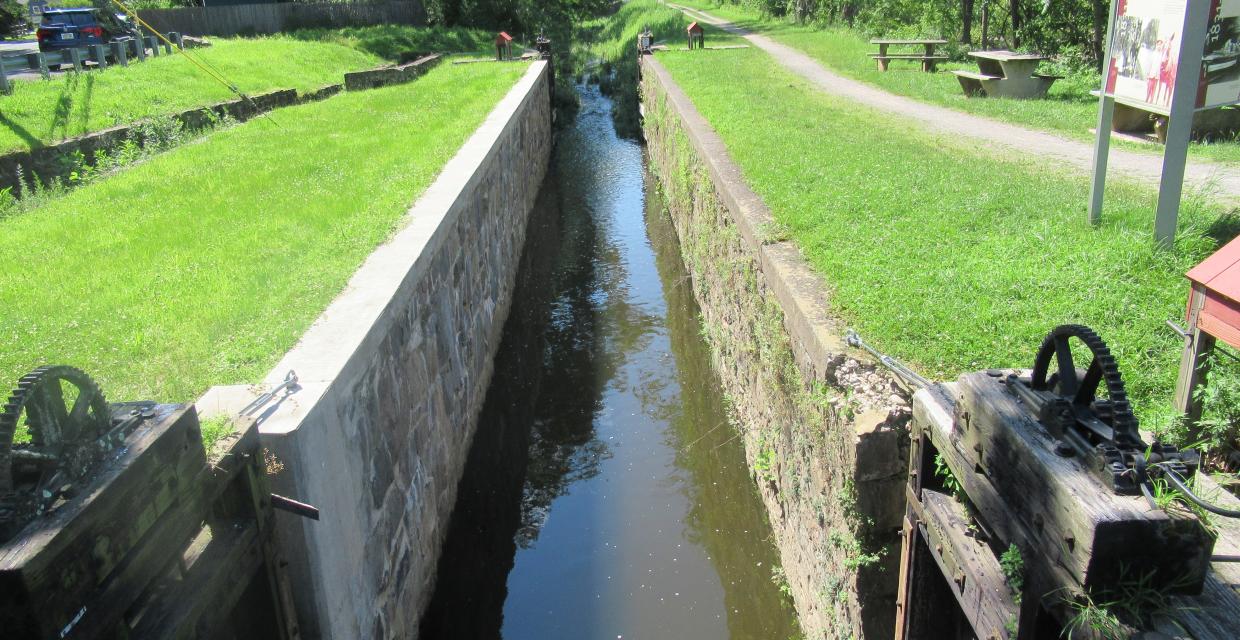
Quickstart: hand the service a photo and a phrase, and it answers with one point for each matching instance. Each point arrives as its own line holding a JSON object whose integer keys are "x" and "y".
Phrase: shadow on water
{"x": 605, "y": 493}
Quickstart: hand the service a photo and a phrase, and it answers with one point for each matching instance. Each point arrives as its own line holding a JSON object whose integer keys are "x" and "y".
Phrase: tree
{"x": 966, "y": 19}
{"x": 1016, "y": 20}
{"x": 12, "y": 18}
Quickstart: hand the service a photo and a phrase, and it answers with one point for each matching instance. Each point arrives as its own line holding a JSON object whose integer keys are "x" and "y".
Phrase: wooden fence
{"x": 258, "y": 19}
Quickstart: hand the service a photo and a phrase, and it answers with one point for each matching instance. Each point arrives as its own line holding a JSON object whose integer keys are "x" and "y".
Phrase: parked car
{"x": 79, "y": 27}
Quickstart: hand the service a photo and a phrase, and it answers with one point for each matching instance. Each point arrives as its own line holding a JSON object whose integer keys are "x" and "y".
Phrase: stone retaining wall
{"x": 825, "y": 432}
{"x": 392, "y": 377}
{"x": 384, "y": 76}
{"x": 18, "y": 170}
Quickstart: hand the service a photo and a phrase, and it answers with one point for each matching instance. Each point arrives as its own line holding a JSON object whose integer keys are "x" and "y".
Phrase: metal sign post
{"x": 1102, "y": 146}
{"x": 1180, "y": 121}
{"x": 1172, "y": 84}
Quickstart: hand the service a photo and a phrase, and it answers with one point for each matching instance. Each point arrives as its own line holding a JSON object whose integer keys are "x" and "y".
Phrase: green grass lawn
{"x": 205, "y": 264}
{"x": 392, "y": 41}
{"x": 41, "y": 112}
{"x": 1069, "y": 109}
{"x": 947, "y": 259}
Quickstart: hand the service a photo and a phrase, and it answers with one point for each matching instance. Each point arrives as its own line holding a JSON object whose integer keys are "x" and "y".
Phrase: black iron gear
{"x": 63, "y": 439}
{"x": 1082, "y": 391}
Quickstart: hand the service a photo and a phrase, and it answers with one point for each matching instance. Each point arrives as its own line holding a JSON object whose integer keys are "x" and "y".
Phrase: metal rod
{"x": 897, "y": 367}
{"x": 294, "y": 507}
{"x": 1178, "y": 329}
{"x": 290, "y": 383}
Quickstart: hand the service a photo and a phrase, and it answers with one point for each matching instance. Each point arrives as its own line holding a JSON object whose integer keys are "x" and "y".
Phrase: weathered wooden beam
{"x": 1193, "y": 361}
{"x": 1076, "y": 523}
{"x": 977, "y": 581}
{"x": 59, "y": 562}
{"x": 212, "y": 584}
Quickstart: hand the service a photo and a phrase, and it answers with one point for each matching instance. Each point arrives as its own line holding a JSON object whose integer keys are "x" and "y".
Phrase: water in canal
{"x": 606, "y": 496}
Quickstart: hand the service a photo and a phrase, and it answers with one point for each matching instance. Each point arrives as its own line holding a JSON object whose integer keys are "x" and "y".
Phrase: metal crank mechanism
{"x": 54, "y": 431}
{"x": 1101, "y": 430}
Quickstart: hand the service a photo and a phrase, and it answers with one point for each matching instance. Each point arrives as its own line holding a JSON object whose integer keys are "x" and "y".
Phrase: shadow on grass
{"x": 31, "y": 140}
{"x": 392, "y": 42}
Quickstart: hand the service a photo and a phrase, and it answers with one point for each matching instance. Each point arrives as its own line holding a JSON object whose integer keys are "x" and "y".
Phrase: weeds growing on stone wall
{"x": 795, "y": 432}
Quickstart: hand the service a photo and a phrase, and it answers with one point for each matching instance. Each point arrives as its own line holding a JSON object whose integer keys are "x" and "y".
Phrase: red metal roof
{"x": 1220, "y": 273}
{"x": 503, "y": 35}
{"x": 693, "y": 26}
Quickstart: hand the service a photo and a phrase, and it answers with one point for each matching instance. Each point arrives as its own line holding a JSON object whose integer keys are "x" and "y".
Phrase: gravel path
{"x": 1220, "y": 181}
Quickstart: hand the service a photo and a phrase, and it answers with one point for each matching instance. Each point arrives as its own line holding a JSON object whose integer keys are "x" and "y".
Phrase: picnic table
{"x": 928, "y": 59}
{"x": 1005, "y": 74}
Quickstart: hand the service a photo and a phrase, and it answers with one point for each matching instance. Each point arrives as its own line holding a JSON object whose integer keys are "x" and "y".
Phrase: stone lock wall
{"x": 825, "y": 433}
{"x": 391, "y": 379}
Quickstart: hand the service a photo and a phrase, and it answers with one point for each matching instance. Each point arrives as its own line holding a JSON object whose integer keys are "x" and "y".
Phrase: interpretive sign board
{"x": 1170, "y": 57}
{"x": 1144, "y": 54}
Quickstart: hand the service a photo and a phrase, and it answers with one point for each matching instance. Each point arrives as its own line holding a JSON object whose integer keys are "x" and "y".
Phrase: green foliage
{"x": 43, "y": 112}
{"x": 1219, "y": 427}
{"x": 13, "y": 20}
{"x": 205, "y": 264}
{"x": 1063, "y": 26}
{"x": 764, "y": 461}
{"x": 945, "y": 475}
{"x": 1014, "y": 256}
{"x": 213, "y": 429}
{"x": 780, "y": 579}
{"x": 1114, "y": 612}
{"x": 1097, "y": 619}
{"x": 1013, "y": 567}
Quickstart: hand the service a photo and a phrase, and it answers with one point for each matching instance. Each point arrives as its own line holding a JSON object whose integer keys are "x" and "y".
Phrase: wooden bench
{"x": 928, "y": 59}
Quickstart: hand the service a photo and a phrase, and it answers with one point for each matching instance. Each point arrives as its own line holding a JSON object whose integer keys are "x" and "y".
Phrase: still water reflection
{"x": 605, "y": 496}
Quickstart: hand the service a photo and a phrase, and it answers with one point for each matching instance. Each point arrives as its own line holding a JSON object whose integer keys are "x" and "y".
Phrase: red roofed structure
{"x": 1213, "y": 314}
{"x": 503, "y": 46}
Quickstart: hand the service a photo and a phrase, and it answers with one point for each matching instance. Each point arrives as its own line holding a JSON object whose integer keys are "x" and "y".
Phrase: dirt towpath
{"x": 1218, "y": 181}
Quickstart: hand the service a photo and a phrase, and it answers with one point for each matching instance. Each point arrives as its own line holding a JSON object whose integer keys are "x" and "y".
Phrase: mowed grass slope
{"x": 205, "y": 264}
{"x": 946, "y": 258}
{"x": 41, "y": 112}
{"x": 1069, "y": 109}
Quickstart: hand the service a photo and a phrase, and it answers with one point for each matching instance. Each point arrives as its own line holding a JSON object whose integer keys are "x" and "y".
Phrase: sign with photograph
{"x": 1145, "y": 53}
{"x": 1220, "y": 62}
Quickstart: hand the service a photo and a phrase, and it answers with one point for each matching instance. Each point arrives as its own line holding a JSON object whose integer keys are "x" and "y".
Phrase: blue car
{"x": 78, "y": 27}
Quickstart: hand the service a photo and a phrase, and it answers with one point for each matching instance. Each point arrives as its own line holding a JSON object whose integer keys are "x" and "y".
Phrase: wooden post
{"x": 175, "y": 37}
{"x": 75, "y": 55}
{"x": 1194, "y": 362}
{"x": 154, "y": 45}
{"x": 139, "y": 45}
{"x": 5, "y": 87}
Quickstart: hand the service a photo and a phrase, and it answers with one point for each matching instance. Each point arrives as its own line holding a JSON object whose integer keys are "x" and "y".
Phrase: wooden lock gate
{"x": 162, "y": 543}
{"x": 1073, "y": 535}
